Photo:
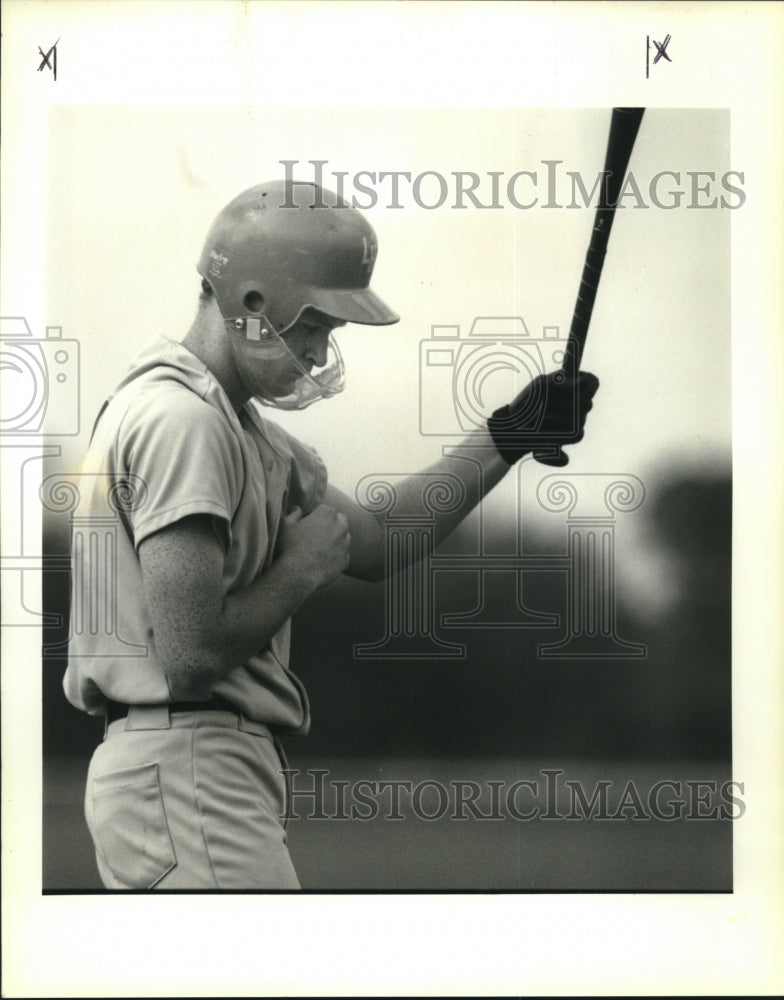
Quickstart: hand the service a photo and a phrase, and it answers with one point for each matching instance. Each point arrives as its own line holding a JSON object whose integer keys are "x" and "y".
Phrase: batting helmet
{"x": 285, "y": 245}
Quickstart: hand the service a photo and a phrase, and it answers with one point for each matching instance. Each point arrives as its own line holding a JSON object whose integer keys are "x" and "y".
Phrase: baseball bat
{"x": 624, "y": 125}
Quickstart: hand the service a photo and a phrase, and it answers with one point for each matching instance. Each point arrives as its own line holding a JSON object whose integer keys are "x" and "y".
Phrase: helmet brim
{"x": 352, "y": 305}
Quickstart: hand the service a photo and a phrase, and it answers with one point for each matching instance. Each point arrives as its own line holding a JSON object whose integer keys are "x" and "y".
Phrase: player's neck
{"x": 207, "y": 340}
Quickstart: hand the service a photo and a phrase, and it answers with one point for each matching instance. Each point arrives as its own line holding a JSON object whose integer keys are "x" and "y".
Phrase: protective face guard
{"x": 255, "y": 344}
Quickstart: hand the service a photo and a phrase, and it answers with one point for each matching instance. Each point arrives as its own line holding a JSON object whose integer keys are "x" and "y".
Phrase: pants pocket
{"x": 130, "y": 828}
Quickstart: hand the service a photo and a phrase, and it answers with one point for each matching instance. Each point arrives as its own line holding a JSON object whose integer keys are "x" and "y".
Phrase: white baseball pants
{"x": 190, "y": 800}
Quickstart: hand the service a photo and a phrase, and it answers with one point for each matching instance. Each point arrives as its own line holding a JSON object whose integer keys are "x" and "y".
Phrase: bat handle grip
{"x": 586, "y": 294}
{"x": 581, "y": 318}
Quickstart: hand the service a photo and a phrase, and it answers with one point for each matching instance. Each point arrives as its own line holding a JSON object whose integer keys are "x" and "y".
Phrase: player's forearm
{"x": 477, "y": 477}
{"x": 466, "y": 481}
{"x": 245, "y": 625}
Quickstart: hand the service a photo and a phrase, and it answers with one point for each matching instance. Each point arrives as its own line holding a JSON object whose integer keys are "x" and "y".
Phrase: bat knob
{"x": 551, "y": 456}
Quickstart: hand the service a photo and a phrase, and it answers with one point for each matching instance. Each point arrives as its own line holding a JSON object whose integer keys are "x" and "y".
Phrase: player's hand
{"x": 548, "y": 413}
{"x": 317, "y": 544}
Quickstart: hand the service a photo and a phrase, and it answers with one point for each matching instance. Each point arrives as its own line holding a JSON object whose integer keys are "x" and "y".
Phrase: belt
{"x": 117, "y": 710}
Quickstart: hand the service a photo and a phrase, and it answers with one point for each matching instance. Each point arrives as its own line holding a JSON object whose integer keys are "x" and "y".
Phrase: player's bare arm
{"x": 368, "y": 537}
{"x": 201, "y": 633}
{"x": 512, "y": 434}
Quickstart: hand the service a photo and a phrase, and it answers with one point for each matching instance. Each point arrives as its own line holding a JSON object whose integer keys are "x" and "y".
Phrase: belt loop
{"x": 148, "y": 717}
{"x": 246, "y": 725}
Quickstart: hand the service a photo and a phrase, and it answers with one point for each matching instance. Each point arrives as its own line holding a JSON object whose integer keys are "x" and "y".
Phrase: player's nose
{"x": 316, "y": 350}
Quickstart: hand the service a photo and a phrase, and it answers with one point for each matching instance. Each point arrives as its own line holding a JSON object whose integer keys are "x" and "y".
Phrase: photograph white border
{"x": 451, "y": 54}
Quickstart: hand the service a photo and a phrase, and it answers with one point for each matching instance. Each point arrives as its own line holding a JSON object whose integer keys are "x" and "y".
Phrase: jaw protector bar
{"x": 260, "y": 343}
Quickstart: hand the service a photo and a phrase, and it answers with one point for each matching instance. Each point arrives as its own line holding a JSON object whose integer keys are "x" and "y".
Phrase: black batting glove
{"x": 548, "y": 413}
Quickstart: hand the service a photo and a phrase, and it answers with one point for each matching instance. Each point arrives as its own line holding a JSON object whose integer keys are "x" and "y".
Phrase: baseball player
{"x": 228, "y": 525}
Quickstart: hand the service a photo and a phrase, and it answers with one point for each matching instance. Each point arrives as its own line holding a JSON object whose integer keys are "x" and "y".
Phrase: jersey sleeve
{"x": 187, "y": 458}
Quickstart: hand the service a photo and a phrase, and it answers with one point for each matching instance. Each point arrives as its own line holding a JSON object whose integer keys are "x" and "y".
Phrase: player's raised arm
{"x": 551, "y": 409}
